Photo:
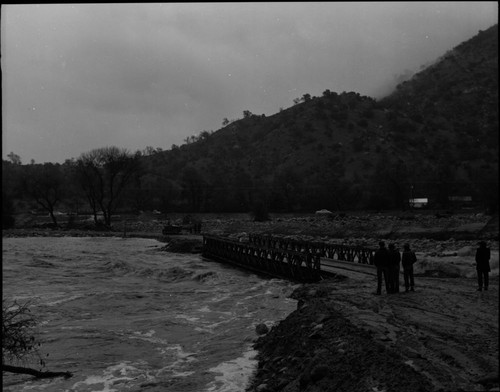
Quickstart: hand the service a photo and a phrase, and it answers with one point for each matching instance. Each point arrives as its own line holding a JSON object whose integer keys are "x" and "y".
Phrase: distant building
{"x": 461, "y": 201}
{"x": 418, "y": 202}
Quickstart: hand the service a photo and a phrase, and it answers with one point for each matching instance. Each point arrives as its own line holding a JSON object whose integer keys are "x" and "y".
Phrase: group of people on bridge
{"x": 388, "y": 261}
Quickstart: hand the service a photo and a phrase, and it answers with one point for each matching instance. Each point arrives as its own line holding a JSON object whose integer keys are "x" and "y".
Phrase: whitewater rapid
{"x": 121, "y": 315}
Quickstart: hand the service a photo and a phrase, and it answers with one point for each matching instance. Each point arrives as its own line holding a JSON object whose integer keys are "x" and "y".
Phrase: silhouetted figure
{"x": 407, "y": 260}
{"x": 394, "y": 260}
{"x": 197, "y": 227}
{"x": 381, "y": 261}
{"x": 482, "y": 265}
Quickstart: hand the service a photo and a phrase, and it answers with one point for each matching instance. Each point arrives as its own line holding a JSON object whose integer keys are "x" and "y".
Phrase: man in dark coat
{"x": 381, "y": 261}
{"x": 407, "y": 260}
{"x": 394, "y": 260}
{"x": 482, "y": 265}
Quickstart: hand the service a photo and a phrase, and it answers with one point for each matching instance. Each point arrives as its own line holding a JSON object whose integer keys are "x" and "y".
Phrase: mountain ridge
{"x": 436, "y": 135}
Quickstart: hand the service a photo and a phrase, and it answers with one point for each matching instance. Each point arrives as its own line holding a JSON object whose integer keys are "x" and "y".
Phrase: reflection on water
{"x": 124, "y": 316}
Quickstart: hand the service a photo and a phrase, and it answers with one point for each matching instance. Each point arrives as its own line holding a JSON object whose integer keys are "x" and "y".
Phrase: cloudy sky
{"x": 81, "y": 76}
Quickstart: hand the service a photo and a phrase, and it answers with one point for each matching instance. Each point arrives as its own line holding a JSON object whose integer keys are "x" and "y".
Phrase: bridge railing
{"x": 340, "y": 252}
{"x": 301, "y": 266}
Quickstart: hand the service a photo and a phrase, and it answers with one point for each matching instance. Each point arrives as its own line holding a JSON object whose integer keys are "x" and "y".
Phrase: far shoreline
{"x": 424, "y": 230}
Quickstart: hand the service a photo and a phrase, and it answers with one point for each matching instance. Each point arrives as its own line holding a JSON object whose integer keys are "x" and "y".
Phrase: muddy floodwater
{"x": 121, "y": 315}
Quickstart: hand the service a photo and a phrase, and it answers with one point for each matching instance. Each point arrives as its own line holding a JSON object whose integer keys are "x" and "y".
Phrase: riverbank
{"x": 64, "y": 232}
{"x": 442, "y": 337}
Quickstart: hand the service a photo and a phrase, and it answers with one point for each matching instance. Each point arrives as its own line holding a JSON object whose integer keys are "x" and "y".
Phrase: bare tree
{"x": 104, "y": 175}
{"x": 44, "y": 183}
{"x": 19, "y": 343}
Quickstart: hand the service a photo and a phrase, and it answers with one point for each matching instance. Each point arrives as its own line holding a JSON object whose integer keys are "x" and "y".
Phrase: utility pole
{"x": 412, "y": 202}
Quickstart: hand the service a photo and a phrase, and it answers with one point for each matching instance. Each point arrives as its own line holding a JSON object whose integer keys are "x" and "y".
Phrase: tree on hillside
{"x": 14, "y": 158}
{"x": 285, "y": 184}
{"x": 8, "y": 219}
{"x": 168, "y": 193}
{"x": 149, "y": 190}
{"x": 193, "y": 187}
{"x": 19, "y": 341}
{"x": 104, "y": 174}
{"x": 11, "y": 191}
{"x": 73, "y": 197}
{"x": 388, "y": 186}
{"x": 44, "y": 183}
{"x": 219, "y": 197}
{"x": 141, "y": 195}
{"x": 260, "y": 211}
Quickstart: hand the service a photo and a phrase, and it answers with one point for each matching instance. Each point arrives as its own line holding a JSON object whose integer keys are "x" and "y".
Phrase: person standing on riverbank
{"x": 394, "y": 260}
{"x": 482, "y": 265}
{"x": 407, "y": 260}
{"x": 381, "y": 261}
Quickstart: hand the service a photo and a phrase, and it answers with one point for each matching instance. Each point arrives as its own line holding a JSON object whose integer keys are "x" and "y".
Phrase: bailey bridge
{"x": 302, "y": 261}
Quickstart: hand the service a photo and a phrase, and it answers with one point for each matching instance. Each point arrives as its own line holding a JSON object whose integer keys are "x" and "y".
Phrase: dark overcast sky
{"x": 81, "y": 76}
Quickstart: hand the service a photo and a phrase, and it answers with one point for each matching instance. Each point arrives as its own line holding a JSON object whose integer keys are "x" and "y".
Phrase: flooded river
{"x": 122, "y": 315}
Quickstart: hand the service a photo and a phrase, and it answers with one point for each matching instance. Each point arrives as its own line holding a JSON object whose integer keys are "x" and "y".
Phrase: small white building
{"x": 325, "y": 214}
{"x": 418, "y": 202}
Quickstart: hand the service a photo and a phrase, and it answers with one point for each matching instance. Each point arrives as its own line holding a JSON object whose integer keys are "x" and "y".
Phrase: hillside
{"x": 436, "y": 136}
{"x": 455, "y": 102}
{"x": 461, "y": 87}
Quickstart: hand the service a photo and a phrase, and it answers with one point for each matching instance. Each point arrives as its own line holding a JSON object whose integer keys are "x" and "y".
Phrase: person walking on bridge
{"x": 381, "y": 261}
{"x": 394, "y": 260}
{"x": 408, "y": 259}
{"x": 482, "y": 265}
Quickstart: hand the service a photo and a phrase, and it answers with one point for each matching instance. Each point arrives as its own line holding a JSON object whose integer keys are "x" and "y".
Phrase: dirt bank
{"x": 442, "y": 337}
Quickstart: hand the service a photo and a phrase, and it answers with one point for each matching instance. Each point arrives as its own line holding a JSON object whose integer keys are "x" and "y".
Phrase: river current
{"x": 122, "y": 315}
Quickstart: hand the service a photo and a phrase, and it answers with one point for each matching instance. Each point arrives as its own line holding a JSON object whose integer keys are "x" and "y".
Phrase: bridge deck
{"x": 347, "y": 268}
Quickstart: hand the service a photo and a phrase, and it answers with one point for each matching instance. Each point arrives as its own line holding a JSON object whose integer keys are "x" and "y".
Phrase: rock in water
{"x": 261, "y": 329}
{"x": 466, "y": 251}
